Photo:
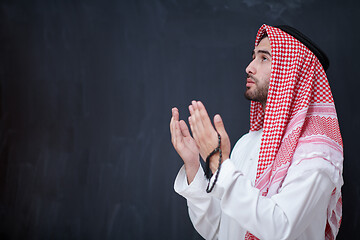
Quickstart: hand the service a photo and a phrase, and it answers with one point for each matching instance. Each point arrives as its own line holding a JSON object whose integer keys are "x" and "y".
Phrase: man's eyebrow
{"x": 261, "y": 51}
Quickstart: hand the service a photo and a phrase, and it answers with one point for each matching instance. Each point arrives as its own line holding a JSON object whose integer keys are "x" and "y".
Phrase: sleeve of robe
{"x": 204, "y": 210}
{"x": 305, "y": 192}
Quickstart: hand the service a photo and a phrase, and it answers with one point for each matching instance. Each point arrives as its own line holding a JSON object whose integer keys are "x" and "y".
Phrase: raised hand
{"x": 205, "y": 135}
{"x": 184, "y": 145}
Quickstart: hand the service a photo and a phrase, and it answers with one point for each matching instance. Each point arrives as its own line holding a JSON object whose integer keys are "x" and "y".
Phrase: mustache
{"x": 252, "y": 77}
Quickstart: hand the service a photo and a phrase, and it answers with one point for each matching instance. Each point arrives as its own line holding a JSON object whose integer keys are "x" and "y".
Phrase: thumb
{"x": 219, "y": 125}
{"x": 225, "y": 141}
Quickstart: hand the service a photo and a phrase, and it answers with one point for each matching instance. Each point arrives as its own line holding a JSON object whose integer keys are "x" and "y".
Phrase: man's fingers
{"x": 219, "y": 125}
{"x": 172, "y": 124}
{"x": 175, "y": 113}
{"x": 171, "y": 130}
{"x": 192, "y": 112}
{"x": 225, "y": 140}
{"x": 192, "y": 120}
{"x": 184, "y": 129}
{"x": 191, "y": 126}
{"x": 195, "y": 125}
{"x": 193, "y": 130}
{"x": 204, "y": 115}
{"x": 220, "y": 128}
{"x": 197, "y": 121}
{"x": 177, "y": 136}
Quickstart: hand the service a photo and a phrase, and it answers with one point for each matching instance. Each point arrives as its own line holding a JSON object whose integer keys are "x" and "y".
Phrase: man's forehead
{"x": 263, "y": 47}
{"x": 264, "y": 43}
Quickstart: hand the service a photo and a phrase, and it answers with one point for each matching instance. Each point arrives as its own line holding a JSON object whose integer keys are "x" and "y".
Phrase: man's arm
{"x": 204, "y": 210}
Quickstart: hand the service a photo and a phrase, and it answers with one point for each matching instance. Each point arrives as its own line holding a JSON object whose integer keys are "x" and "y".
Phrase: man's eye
{"x": 265, "y": 58}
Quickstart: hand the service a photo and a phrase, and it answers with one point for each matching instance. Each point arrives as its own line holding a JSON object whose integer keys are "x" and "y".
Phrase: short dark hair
{"x": 263, "y": 36}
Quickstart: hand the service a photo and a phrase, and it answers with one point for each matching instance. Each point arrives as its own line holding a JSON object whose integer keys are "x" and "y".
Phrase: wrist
{"x": 191, "y": 168}
{"x": 214, "y": 161}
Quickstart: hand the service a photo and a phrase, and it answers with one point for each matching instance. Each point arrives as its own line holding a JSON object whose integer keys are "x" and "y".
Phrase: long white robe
{"x": 297, "y": 211}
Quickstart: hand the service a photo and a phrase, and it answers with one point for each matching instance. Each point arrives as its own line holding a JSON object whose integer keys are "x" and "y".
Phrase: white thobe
{"x": 235, "y": 206}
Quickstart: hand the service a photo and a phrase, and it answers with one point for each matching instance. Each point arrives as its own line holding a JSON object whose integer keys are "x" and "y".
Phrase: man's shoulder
{"x": 252, "y": 135}
{"x": 249, "y": 138}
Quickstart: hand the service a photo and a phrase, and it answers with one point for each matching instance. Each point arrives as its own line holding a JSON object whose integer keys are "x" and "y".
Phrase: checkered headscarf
{"x": 299, "y": 104}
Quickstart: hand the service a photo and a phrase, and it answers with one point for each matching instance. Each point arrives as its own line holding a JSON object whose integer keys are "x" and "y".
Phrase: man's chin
{"x": 248, "y": 96}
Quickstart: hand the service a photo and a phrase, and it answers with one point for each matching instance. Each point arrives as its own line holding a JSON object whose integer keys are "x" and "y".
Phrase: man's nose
{"x": 250, "y": 69}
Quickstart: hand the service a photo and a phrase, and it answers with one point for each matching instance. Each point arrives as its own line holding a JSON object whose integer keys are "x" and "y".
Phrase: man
{"x": 283, "y": 179}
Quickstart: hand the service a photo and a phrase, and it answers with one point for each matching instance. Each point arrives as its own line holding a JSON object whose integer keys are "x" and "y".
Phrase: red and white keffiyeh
{"x": 299, "y": 106}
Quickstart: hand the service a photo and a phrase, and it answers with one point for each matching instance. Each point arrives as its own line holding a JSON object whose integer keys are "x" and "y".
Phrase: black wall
{"x": 86, "y": 93}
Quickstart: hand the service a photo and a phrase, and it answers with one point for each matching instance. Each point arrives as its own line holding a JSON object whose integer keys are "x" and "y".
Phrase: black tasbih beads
{"x": 208, "y": 172}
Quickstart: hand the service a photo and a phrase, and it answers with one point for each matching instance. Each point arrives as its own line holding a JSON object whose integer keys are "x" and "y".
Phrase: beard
{"x": 258, "y": 92}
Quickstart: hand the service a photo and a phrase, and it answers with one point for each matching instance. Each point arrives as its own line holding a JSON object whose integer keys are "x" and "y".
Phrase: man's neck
{"x": 263, "y": 106}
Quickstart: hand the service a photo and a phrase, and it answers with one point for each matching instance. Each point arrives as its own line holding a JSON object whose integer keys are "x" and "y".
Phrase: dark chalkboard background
{"x": 86, "y": 93}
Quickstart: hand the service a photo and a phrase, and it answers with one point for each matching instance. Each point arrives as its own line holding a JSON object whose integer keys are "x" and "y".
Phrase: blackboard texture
{"x": 86, "y": 93}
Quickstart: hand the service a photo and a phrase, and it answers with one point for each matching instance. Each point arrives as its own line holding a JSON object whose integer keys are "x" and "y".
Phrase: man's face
{"x": 258, "y": 73}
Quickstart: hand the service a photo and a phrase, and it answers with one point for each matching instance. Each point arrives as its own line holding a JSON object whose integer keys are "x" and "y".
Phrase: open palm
{"x": 181, "y": 139}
